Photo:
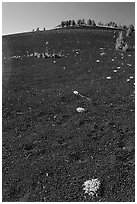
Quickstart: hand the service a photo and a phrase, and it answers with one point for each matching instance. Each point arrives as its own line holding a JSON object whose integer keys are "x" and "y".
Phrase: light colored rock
{"x": 80, "y": 110}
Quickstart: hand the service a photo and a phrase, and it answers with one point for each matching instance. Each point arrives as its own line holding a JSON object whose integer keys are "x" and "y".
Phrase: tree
{"x": 37, "y": 29}
{"x": 89, "y": 22}
{"x": 116, "y": 25}
{"x": 73, "y": 23}
{"x": 131, "y": 27}
{"x": 69, "y": 23}
{"x": 125, "y": 27}
{"x": 79, "y": 22}
{"x": 93, "y": 23}
{"x": 63, "y": 24}
{"x": 83, "y": 22}
{"x": 100, "y": 23}
{"x": 113, "y": 24}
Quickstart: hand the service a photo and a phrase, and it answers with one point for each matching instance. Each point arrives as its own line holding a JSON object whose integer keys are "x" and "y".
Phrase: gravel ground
{"x": 68, "y": 120}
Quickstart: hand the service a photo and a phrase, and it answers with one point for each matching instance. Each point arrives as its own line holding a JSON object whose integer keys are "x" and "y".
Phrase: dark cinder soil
{"x": 50, "y": 149}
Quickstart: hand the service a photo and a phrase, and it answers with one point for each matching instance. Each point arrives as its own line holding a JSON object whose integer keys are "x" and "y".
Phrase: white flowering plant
{"x": 91, "y": 187}
{"x": 75, "y": 92}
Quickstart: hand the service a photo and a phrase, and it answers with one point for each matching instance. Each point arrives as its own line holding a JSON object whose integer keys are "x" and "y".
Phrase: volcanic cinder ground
{"x": 70, "y": 119}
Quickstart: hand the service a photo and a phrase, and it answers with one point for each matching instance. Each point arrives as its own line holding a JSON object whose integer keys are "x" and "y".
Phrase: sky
{"x": 24, "y": 16}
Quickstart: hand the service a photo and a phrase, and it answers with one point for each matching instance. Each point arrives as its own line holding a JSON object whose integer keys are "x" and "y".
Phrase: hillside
{"x": 49, "y": 148}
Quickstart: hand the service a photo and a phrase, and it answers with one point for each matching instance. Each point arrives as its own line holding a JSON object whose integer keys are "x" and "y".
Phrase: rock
{"x": 80, "y": 110}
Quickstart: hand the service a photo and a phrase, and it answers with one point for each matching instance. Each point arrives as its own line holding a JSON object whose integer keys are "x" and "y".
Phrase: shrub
{"x": 131, "y": 27}
{"x": 125, "y": 48}
{"x": 125, "y": 27}
{"x": 37, "y": 29}
{"x": 91, "y": 187}
{"x": 130, "y": 30}
{"x": 121, "y": 45}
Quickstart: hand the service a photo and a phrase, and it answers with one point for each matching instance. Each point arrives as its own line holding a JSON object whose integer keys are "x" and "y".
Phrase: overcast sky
{"x": 24, "y": 16}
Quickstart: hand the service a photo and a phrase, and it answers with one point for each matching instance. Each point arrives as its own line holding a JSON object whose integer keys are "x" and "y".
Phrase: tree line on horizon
{"x": 79, "y": 22}
{"x": 92, "y": 23}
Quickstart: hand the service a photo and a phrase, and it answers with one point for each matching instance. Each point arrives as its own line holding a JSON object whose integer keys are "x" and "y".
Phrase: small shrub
{"x": 91, "y": 187}
{"x": 37, "y": 29}
{"x": 121, "y": 45}
{"x": 130, "y": 30}
{"x": 125, "y": 48}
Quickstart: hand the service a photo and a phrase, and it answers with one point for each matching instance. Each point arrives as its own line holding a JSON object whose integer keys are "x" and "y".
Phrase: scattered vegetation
{"x": 68, "y": 123}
